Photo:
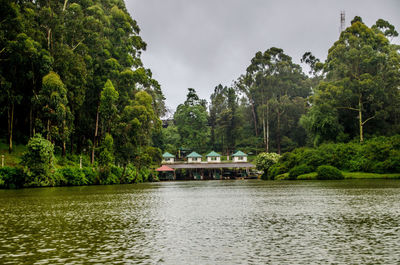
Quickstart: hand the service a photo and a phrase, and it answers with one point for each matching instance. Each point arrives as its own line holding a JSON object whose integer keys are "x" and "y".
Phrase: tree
{"x": 362, "y": 77}
{"x": 272, "y": 82}
{"x": 191, "y": 120}
{"x": 38, "y": 161}
{"x": 54, "y": 111}
{"x": 108, "y": 105}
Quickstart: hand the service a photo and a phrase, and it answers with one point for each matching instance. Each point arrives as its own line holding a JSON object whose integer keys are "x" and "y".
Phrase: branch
{"x": 370, "y": 118}
{"x": 349, "y": 108}
{"x": 76, "y": 46}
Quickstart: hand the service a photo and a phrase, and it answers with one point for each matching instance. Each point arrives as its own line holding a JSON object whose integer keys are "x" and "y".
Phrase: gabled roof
{"x": 194, "y": 154}
{"x": 164, "y": 168}
{"x": 239, "y": 153}
{"x": 167, "y": 155}
{"x": 213, "y": 154}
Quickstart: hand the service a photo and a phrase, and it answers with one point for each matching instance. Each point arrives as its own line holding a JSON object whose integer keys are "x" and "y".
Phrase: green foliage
{"x": 191, "y": 121}
{"x": 265, "y": 160}
{"x": 91, "y": 175}
{"x": 11, "y": 177}
{"x": 378, "y": 155}
{"x": 299, "y": 170}
{"x": 108, "y": 109}
{"x": 38, "y": 162}
{"x": 328, "y": 172}
{"x": 71, "y": 176}
{"x": 275, "y": 170}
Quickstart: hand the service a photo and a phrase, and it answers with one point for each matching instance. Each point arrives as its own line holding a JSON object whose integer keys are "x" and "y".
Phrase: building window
{"x": 213, "y": 158}
{"x": 167, "y": 159}
{"x": 240, "y": 158}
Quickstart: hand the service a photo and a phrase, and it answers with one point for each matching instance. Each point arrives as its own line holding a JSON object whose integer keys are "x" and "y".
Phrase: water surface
{"x": 204, "y": 222}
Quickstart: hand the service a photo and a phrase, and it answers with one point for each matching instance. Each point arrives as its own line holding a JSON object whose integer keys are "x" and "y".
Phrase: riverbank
{"x": 347, "y": 175}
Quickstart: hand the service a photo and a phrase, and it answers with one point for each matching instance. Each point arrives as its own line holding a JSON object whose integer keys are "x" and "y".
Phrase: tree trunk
{"x": 264, "y": 132}
{"x": 10, "y": 126}
{"x": 360, "y": 119}
{"x": 48, "y": 130}
{"x": 254, "y": 117}
{"x": 95, "y": 132}
{"x": 278, "y": 132}
{"x": 267, "y": 127}
{"x": 30, "y": 122}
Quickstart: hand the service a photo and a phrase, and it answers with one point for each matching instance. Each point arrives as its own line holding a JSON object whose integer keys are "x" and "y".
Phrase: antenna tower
{"x": 342, "y": 21}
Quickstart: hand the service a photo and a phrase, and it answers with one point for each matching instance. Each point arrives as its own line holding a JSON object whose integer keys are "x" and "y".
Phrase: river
{"x": 204, "y": 222}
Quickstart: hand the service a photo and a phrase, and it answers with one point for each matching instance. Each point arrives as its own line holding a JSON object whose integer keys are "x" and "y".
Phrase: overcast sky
{"x": 202, "y": 43}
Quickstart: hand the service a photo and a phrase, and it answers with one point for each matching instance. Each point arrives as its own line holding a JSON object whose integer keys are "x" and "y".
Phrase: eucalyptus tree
{"x": 362, "y": 78}
{"x": 271, "y": 83}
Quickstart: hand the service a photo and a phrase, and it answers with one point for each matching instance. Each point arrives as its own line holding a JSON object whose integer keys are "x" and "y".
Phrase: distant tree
{"x": 191, "y": 120}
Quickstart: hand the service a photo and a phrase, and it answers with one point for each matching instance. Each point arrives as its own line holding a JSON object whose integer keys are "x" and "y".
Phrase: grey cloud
{"x": 201, "y": 43}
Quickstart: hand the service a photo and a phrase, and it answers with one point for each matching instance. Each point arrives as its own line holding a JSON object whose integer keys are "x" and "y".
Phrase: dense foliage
{"x": 376, "y": 155}
{"x": 328, "y": 172}
{"x": 71, "y": 71}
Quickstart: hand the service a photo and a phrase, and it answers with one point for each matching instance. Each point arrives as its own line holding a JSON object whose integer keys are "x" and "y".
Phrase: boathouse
{"x": 213, "y": 168}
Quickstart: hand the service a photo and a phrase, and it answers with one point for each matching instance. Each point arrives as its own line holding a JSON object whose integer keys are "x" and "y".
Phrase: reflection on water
{"x": 205, "y": 222}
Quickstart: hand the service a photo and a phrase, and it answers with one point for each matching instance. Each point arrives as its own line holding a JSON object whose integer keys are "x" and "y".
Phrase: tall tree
{"x": 362, "y": 77}
{"x": 191, "y": 121}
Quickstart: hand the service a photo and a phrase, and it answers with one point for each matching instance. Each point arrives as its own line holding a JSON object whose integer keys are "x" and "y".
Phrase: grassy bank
{"x": 347, "y": 175}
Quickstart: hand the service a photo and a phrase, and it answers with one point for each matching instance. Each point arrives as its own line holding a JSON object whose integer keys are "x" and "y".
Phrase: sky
{"x": 203, "y": 43}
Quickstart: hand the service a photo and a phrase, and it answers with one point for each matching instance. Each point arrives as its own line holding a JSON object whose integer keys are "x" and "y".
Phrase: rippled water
{"x": 204, "y": 222}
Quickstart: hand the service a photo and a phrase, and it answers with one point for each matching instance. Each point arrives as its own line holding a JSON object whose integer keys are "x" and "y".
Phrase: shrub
{"x": 73, "y": 176}
{"x": 275, "y": 170}
{"x": 265, "y": 160}
{"x": 38, "y": 162}
{"x": 328, "y": 172}
{"x": 299, "y": 170}
{"x": 11, "y": 177}
{"x": 91, "y": 175}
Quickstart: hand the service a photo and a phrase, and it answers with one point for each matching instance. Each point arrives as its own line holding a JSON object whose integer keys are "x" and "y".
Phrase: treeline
{"x": 71, "y": 71}
{"x": 275, "y": 107}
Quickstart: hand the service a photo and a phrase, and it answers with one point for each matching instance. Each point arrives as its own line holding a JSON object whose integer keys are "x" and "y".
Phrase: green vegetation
{"x": 71, "y": 71}
{"x": 376, "y": 155}
{"x": 328, "y": 172}
{"x": 73, "y": 86}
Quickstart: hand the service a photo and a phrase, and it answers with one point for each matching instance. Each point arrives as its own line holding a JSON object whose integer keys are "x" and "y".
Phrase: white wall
{"x": 217, "y": 159}
{"x": 168, "y": 160}
{"x": 192, "y": 160}
{"x": 240, "y": 159}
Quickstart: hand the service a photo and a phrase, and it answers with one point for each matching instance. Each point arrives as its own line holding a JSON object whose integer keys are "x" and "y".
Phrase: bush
{"x": 328, "y": 172}
{"x": 11, "y": 177}
{"x": 91, "y": 175}
{"x": 299, "y": 170}
{"x": 73, "y": 176}
{"x": 38, "y": 162}
{"x": 274, "y": 171}
{"x": 265, "y": 160}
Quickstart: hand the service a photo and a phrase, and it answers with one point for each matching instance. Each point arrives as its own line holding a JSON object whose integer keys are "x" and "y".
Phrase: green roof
{"x": 167, "y": 155}
{"x": 239, "y": 153}
{"x": 212, "y": 153}
{"x": 194, "y": 154}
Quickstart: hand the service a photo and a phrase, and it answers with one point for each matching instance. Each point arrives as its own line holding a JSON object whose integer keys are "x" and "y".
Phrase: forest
{"x": 74, "y": 90}
{"x": 275, "y": 107}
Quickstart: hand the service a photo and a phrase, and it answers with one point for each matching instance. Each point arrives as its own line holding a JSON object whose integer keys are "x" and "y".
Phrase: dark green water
{"x": 204, "y": 222}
